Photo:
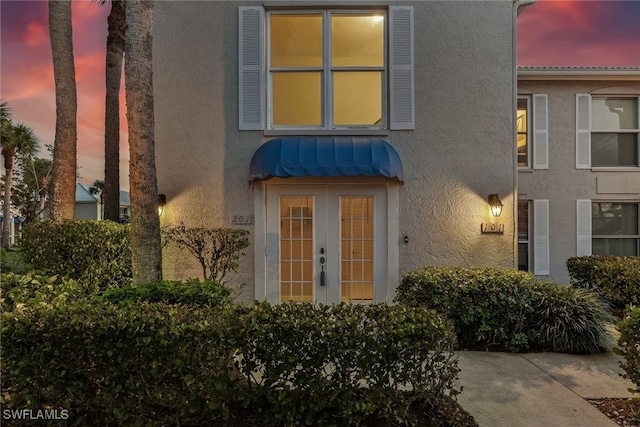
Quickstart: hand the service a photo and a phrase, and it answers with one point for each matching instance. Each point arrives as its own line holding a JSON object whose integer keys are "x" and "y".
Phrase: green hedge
{"x": 347, "y": 364}
{"x": 617, "y": 279}
{"x": 153, "y": 363}
{"x": 30, "y": 289}
{"x": 191, "y": 291}
{"x": 93, "y": 252}
{"x": 629, "y": 343}
{"x": 508, "y": 309}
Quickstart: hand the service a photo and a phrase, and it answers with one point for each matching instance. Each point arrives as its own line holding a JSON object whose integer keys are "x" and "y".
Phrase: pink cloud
{"x": 36, "y": 34}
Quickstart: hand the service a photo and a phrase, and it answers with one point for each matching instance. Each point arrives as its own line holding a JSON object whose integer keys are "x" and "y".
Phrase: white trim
{"x": 259, "y": 239}
{"x": 540, "y": 132}
{"x": 541, "y": 237}
{"x": 583, "y": 227}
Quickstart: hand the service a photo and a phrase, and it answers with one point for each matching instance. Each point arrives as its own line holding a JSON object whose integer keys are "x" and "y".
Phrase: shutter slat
{"x": 540, "y": 132}
{"x": 541, "y": 237}
{"x": 250, "y": 35}
{"x": 583, "y": 131}
{"x": 401, "y": 88}
{"x": 583, "y": 227}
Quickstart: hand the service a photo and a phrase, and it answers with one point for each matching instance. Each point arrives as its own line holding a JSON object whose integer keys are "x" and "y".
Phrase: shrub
{"x": 509, "y": 309}
{"x": 569, "y": 320}
{"x": 92, "y": 252}
{"x": 488, "y": 306}
{"x": 143, "y": 364}
{"x": 617, "y": 279}
{"x": 629, "y": 342}
{"x": 344, "y": 364}
{"x": 192, "y": 291}
{"x": 27, "y": 290}
{"x": 217, "y": 250}
{"x": 3, "y": 255}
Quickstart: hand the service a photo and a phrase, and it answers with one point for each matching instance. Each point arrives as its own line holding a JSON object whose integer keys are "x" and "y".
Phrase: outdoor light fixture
{"x": 162, "y": 201}
{"x": 496, "y": 205}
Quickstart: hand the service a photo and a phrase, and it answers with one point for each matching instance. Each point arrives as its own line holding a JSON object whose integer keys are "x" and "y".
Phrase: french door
{"x": 326, "y": 243}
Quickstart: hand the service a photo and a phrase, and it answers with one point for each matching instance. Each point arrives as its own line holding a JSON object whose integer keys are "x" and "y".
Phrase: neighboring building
{"x": 578, "y": 165}
{"x": 356, "y": 141}
{"x": 88, "y": 205}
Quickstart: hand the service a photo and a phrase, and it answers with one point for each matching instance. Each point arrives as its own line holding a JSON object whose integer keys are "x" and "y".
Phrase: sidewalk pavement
{"x": 539, "y": 389}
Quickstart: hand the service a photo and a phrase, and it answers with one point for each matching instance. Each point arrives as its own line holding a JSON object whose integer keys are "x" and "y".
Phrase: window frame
{"x": 528, "y": 133}
{"x": 526, "y": 241}
{"x": 327, "y": 73}
{"x": 636, "y": 237}
{"x": 635, "y": 131}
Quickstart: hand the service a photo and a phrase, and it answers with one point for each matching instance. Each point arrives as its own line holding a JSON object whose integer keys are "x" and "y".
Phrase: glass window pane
{"x": 357, "y": 40}
{"x": 614, "y": 113}
{"x": 522, "y": 115}
{"x": 523, "y": 220}
{"x": 296, "y": 40}
{"x": 357, "y": 98}
{"x": 522, "y": 150}
{"x": 297, "y": 99}
{"x": 610, "y": 219}
{"x": 615, "y": 247}
{"x": 614, "y": 149}
{"x": 523, "y": 256}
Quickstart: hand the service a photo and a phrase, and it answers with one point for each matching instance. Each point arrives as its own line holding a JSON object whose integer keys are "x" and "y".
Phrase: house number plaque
{"x": 492, "y": 228}
{"x": 242, "y": 219}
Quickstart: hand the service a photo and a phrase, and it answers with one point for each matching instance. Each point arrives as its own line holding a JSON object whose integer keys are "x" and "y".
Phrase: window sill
{"x": 525, "y": 170}
{"x": 296, "y": 132}
{"x": 613, "y": 169}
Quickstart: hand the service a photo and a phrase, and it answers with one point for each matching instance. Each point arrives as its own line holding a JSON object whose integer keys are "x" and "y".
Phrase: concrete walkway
{"x": 539, "y": 389}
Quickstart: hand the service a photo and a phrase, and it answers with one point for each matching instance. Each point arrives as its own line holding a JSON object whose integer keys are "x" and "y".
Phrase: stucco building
{"x": 356, "y": 141}
{"x": 578, "y": 165}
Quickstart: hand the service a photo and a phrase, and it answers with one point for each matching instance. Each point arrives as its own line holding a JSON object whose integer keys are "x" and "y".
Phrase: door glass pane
{"x": 296, "y": 249}
{"x": 614, "y": 113}
{"x": 357, "y": 98}
{"x": 614, "y": 149}
{"x": 296, "y": 40}
{"x": 356, "y": 256}
{"x": 297, "y": 99}
{"x": 357, "y": 40}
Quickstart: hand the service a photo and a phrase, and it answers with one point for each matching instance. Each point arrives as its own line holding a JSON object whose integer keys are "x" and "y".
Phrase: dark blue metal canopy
{"x": 325, "y": 156}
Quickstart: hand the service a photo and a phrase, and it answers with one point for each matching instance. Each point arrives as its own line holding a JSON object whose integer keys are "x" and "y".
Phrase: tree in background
{"x": 63, "y": 188}
{"x": 98, "y": 188}
{"x": 15, "y": 140}
{"x": 32, "y": 187}
{"x": 113, "y": 71}
{"x": 145, "y": 224}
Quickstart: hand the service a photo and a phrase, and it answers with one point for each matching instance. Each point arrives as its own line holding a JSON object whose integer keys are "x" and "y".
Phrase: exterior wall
{"x": 86, "y": 211}
{"x": 562, "y": 184}
{"x": 460, "y": 151}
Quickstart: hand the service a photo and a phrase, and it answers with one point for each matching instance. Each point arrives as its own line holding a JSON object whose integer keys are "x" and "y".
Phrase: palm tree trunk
{"x": 145, "y": 224}
{"x": 6, "y": 209}
{"x": 115, "y": 54}
{"x": 63, "y": 191}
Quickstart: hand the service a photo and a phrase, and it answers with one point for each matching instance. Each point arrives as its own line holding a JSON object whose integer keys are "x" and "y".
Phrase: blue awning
{"x": 325, "y": 156}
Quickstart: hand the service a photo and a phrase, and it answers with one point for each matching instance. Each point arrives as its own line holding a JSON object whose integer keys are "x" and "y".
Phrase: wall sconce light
{"x": 162, "y": 201}
{"x": 496, "y": 205}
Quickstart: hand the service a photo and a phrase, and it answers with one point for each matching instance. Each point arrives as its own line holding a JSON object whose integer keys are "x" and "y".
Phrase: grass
{"x": 13, "y": 263}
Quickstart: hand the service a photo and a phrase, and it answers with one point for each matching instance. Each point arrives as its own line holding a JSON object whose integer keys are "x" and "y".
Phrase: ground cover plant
{"x": 509, "y": 310}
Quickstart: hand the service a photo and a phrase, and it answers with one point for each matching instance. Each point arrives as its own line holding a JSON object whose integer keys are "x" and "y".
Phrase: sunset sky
{"x": 550, "y": 33}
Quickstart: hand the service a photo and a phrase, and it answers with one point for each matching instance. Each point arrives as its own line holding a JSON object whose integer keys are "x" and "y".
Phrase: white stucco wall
{"x": 460, "y": 151}
{"x": 562, "y": 184}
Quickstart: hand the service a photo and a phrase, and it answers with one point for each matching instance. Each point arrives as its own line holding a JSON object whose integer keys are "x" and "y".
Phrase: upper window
{"x": 334, "y": 71}
{"x": 616, "y": 228}
{"x": 614, "y": 131}
{"x": 326, "y": 69}
{"x": 523, "y": 131}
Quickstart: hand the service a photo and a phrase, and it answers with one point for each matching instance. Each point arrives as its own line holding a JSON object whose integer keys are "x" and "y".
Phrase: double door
{"x": 326, "y": 243}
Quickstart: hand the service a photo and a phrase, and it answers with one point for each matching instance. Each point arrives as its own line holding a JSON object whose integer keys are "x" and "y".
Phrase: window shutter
{"x": 583, "y": 131}
{"x": 540, "y": 132}
{"x": 583, "y": 227}
{"x": 250, "y": 80}
{"x": 541, "y": 237}
{"x": 401, "y": 91}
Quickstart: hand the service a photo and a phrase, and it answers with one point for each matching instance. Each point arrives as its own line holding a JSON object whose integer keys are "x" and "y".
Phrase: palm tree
{"x": 98, "y": 188}
{"x": 63, "y": 189}
{"x": 37, "y": 173}
{"x": 115, "y": 55}
{"x": 145, "y": 225}
{"x": 16, "y": 139}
